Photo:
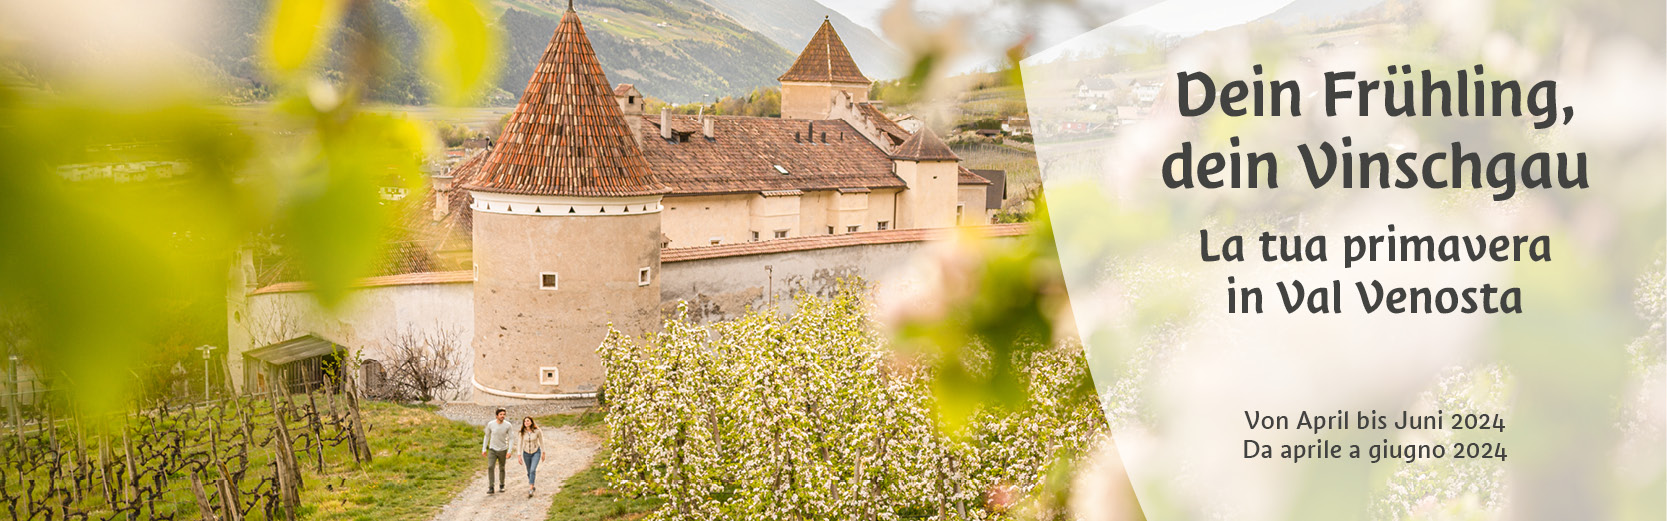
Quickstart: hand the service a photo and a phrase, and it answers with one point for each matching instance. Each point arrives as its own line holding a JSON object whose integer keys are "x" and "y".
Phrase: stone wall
{"x": 722, "y": 288}
{"x": 716, "y": 286}
{"x": 368, "y": 320}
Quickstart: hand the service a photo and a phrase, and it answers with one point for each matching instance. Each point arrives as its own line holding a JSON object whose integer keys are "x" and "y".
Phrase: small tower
{"x": 932, "y": 172}
{"x": 566, "y": 231}
{"x": 823, "y": 69}
{"x": 631, "y": 103}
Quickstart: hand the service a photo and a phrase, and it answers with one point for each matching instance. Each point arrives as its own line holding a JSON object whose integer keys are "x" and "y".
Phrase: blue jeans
{"x": 531, "y": 459}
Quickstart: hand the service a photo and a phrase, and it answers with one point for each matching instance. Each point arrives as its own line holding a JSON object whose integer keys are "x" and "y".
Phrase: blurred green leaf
{"x": 120, "y": 214}
{"x": 1013, "y": 296}
{"x": 459, "y": 46}
{"x": 336, "y": 218}
{"x": 294, "y": 31}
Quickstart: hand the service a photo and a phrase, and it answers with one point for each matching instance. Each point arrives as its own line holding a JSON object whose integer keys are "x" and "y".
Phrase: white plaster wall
{"x": 972, "y": 199}
{"x": 814, "y": 210}
{"x": 882, "y": 206}
{"x": 366, "y": 321}
{"x": 770, "y": 214}
{"x": 930, "y": 200}
{"x": 723, "y": 288}
{"x": 696, "y": 220}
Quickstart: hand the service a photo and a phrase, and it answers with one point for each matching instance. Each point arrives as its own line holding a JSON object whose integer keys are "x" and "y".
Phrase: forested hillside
{"x": 673, "y": 51}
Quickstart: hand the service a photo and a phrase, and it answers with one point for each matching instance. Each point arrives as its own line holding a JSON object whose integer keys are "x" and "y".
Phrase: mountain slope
{"x": 232, "y": 46}
{"x": 791, "y": 22}
{"x": 672, "y": 51}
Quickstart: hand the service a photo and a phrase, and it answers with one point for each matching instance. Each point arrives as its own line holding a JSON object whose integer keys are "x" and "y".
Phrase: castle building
{"x": 589, "y": 214}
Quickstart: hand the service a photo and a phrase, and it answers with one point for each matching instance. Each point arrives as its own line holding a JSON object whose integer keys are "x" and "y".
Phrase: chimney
{"x": 705, "y": 123}
{"x": 442, "y": 204}
{"x": 665, "y": 124}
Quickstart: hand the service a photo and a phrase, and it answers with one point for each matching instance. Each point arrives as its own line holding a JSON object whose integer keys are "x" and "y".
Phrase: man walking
{"x": 495, "y": 447}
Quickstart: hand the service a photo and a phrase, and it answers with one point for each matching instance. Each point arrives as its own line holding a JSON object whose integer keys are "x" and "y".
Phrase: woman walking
{"x": 531, "y": 443}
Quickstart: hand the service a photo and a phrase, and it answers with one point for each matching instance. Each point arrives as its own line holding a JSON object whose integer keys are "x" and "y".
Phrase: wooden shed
{"x": 297, "y": 365}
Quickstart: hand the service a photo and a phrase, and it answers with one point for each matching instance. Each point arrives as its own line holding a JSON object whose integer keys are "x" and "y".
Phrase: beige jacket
{"x": 532, "y": 441}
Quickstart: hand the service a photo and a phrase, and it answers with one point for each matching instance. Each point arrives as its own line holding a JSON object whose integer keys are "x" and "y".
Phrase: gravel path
{"x": 479, "y": 414}
{"x": 566, "y": 452}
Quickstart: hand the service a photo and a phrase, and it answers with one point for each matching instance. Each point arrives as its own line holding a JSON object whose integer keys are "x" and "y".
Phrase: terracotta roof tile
{"x": 743, "y": 153}
{"x": 404, "y": 279}
{"x": 452, "y": 230}
{"x": 924, "y": 146}
{"x": 817, "y": 242}
{"x": 825, "y": 59}
{"x": 567, "y": 136}
{"x": 890, "y": 128}
{"x": 968, "y": 177}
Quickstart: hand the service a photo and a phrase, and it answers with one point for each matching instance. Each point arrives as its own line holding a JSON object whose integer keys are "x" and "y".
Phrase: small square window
{"x": 547, "y": 280}
{"x": 852, "y": 229}
{"x": 882, "y": 225}
{"x": 781, "y": 234}
{"x": 716, "y": 240}
{"x": 643, "y": 277}
{"x": 755, "y": 236}
{"x": 549, "y": 376}
{"x": 830, "y": 230}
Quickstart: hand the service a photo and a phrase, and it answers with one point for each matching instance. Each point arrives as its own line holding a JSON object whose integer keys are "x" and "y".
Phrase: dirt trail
{"x": 566, "y": 452}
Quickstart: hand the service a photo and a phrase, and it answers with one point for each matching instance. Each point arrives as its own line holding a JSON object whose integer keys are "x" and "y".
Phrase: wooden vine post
{"x": 202, "y": 499}
{"x": 362, "y": 446}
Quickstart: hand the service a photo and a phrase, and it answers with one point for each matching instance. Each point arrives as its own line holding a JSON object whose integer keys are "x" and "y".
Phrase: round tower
{"x": 566, "y": 231}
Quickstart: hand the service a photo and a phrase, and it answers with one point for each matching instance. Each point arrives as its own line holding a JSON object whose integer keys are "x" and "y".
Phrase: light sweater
{"x": 532, "y": 441}
{"x": 498, "y": 436}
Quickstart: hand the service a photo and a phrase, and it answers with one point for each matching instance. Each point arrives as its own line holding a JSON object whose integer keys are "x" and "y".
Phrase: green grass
{"x": 421, "y": 461}
{"x": 424, "y": 460}
{"x": 586, "y": 496}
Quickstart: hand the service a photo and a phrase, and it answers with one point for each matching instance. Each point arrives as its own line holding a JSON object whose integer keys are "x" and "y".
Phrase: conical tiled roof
{"x": 924, "y": 146}
{"x": 825, "y": 59}
{"x": 567, "y": 136}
